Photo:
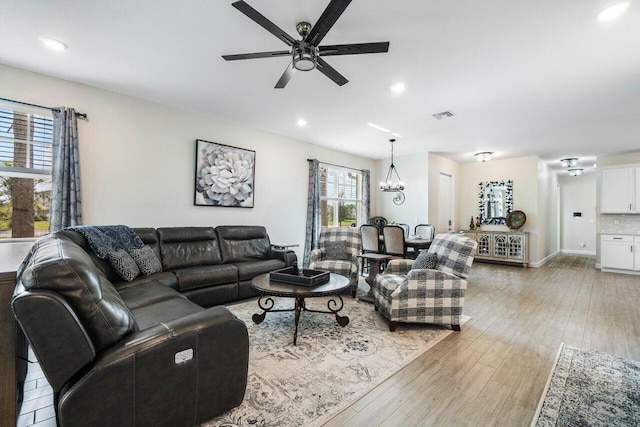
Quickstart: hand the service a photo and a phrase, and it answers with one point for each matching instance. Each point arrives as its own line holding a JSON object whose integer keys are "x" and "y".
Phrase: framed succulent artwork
{"x": 225, "y": 175}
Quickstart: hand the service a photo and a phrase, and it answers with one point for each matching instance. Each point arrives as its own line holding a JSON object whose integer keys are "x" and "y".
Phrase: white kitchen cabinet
{"x": 636, "y": 250}
{"x": 619, "y": 190}
{"x": 617, "y": 251}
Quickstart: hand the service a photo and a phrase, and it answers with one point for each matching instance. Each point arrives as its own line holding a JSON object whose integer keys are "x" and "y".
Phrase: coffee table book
{"x": 296, "y": 276}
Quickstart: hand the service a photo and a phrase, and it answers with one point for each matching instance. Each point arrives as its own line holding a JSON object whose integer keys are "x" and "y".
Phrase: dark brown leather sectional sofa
{"x": 144, "y": 352}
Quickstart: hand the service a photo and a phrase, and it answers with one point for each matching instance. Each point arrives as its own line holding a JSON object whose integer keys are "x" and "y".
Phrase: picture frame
{"x": 224, "y": 175}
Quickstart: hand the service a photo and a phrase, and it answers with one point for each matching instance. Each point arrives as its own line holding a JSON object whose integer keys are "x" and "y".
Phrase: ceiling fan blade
{"x": 259, "y": 19}
{"x": 331, "y": 72}
{"x": 354, "y": 49}
{"x": 256, "y": 55}
{"x": 286, "y": 76}
{"x": 326, "y": 21}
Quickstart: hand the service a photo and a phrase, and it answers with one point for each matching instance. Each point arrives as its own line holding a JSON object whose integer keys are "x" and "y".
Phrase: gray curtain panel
{"x": 66, "y": 203}
{"x": 313, "y": 211}
{"x": 366, "y": 197}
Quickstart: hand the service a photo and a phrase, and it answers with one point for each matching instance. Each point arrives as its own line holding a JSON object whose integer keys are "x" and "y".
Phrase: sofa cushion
{"x": 149, "y": 237}
{"x": 146, "y": 259}
{"x": 164, "y": 311}
{"x": 124, "y": 264}
{"x": 146, "y": 294}
{"x": 206, "y": 275}
{"x": 182, "y": 247}
{"x": 249, "y": 269}
{"x": 243, "y": 242}
{"x": 167, "y": 278}
{"x": 60, "y": 265}
{"x": 103, "y": 264}
{"x": 425, "y": 261}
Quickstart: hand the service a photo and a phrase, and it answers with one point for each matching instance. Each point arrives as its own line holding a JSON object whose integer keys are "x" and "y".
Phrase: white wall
{"x": 523, "y": 171}
{"x": 138, "y": 160}
{"x": 413, "y": 171}
{"x": 578, "y": 194}
{"x": 547, "y": 212}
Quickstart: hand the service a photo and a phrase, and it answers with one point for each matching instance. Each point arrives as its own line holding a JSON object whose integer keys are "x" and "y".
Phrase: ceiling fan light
{"x": 304, "y": 57}
{"x": 575, "y": 172}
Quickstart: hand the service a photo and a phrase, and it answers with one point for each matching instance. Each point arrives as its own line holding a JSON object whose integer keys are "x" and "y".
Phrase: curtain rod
{"x": 340, "y": 166}
{"x": 83, "y": 115}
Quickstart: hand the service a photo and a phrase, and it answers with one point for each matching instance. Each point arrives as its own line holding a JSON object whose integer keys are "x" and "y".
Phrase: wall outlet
{"x": 616, "y": 221}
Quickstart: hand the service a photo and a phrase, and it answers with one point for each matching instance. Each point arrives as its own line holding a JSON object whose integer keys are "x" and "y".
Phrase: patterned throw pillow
{"x": 146, "y": 259}
{"x": 336, "y": 250}
{"x": 124, "y": 264}
{"x": 425, "y": 261}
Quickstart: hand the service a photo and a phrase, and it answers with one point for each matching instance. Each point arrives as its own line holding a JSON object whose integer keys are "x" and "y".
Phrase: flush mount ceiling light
{"x": 484, "y": 156}
{"x": 575, "y": 171}
{"x": 398, "y": 87}
{"x": 569, "y": 162}
{"x": 53, "y": 44}
{"x": 302, "y": 122}
{"x": 612, "y": 12}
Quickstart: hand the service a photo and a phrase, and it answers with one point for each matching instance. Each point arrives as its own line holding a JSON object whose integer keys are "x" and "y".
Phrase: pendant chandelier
{"x": 393, "y": 183}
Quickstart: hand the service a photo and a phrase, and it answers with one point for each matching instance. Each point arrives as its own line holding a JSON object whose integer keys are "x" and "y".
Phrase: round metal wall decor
{"x": 398, "y": 199}
{"x": 516, "y": 219}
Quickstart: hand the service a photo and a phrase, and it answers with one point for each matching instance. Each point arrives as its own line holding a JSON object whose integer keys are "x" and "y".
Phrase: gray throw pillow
{"x": 124, "y": 264}
{"x": 425, "y": 261}
{"x": 336, "y": 250}
{"x": 146, "y": 259}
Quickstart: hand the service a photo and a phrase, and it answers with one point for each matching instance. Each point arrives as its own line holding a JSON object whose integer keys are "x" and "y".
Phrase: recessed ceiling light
{"x": 53, "y": 44}
{"x": 375, "y": 126}
{"x": 302, "y": 122}
{"x": 398, "y": 87}
{"x": 614, "y": 11}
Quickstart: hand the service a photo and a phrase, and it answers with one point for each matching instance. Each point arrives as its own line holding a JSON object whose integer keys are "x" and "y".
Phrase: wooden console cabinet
{"x": 508, "y": 247}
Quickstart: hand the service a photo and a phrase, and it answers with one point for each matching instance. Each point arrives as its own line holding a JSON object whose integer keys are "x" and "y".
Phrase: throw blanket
{"x": 104, "y": 239}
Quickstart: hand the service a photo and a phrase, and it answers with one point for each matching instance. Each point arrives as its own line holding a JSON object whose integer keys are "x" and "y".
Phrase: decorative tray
{"x": 296, "y": 276}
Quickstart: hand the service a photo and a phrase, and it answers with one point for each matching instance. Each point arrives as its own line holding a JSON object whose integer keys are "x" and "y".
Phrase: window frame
{"x": 336, "y": 200}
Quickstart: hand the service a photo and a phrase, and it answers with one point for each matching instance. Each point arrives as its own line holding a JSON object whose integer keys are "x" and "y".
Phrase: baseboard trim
{"x": 572, "y": 251}
{"x": 543, "y": 261}
{"x": 615, "y": 270}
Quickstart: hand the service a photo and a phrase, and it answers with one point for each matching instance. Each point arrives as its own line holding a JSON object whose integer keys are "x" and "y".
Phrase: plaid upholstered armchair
{"x": 338, "y": 250}
{"x": 434, "y": 295}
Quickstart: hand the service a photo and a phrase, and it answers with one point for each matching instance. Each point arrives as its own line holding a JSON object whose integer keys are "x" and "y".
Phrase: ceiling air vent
{"x": 443, "y": 115}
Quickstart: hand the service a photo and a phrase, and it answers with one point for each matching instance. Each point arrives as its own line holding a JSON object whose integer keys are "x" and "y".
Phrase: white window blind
{"x": 25, "y": 143}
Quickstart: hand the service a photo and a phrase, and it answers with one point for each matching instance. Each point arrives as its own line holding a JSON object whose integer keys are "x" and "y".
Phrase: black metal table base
{"x": 334, "y": 305}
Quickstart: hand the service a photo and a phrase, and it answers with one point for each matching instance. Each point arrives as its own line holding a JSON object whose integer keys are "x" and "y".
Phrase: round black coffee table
{"x": 333, "y": 288}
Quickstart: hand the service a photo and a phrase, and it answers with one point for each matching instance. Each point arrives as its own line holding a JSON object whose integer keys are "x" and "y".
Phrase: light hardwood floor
{"x": 494, "y": 371}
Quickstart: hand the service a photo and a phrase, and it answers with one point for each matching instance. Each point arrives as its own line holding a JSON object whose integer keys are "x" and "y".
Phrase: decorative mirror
{"x": 496, "y": 201}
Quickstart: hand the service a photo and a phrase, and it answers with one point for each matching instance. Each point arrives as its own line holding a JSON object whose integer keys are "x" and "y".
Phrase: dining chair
{"x": 405, "y": 227}
{"x": 426, "y": 231}
{"x": 379, "y": 222}
{"x": 370, "y": 241}
{"x": 394, "y": 241}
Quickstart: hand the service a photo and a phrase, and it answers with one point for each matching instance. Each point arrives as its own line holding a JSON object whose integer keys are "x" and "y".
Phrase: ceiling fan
{"x": 307, "y": 53}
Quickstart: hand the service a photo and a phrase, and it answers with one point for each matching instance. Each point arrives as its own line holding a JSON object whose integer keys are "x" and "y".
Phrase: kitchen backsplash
{"x": 623, "y": 224}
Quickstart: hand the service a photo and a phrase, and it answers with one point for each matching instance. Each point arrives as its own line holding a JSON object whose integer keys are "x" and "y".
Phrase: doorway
{"x": 445, "y": 203}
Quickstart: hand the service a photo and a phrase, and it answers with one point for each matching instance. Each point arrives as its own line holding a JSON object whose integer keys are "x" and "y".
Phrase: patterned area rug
{"x": 570, "y": 262}
{"x": 330, "y": 368}
{"x": 589, "y": 388}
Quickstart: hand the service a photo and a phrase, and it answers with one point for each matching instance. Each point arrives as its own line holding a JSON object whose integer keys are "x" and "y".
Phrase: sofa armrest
{"x": 289, "y": 257}
{"x": 316, "y": 255}
{"x": 443, "y": 284}
{"x": 194, "y": 368}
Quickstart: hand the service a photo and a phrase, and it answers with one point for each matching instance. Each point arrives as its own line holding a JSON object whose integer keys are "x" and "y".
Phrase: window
{"x": 25, "y": 173}
{"x": 340, "y": 196}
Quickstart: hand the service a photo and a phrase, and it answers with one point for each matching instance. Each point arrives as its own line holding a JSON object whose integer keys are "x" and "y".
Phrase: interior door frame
{"x": 452, "y": 199}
